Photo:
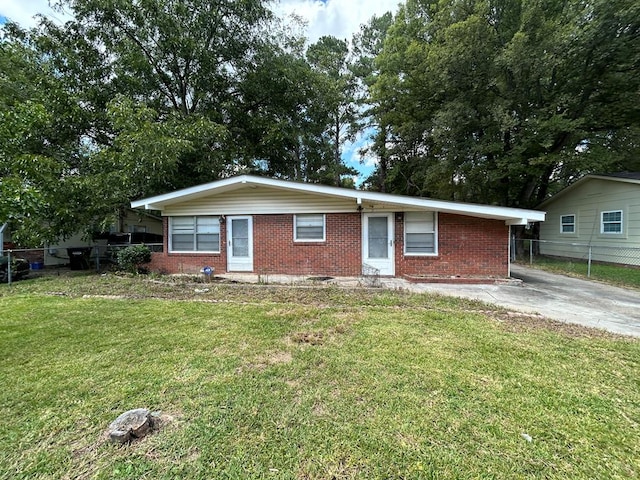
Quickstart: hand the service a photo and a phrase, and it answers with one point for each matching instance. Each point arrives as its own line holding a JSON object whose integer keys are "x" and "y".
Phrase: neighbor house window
{"x": 420, "y": 233}
{"x": 194, "y": 234}
{"x": 568, "y": 223}
{"x": 611, "y": 222}
{"x": 309, "y": 228}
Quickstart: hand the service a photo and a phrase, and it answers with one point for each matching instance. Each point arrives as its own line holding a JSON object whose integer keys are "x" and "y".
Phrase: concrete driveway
{"x": 558, "y": 297}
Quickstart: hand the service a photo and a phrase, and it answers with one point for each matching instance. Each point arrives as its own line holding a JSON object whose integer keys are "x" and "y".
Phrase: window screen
{"x": 419, "y": 233}
{"x": 378, "y": 237}
{"x": 195, "y": 234}
{"x": 309, "y": 227}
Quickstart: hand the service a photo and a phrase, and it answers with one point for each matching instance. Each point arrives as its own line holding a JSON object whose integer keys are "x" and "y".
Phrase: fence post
{"x": 531, "y": 252}
{"x": 589, "y": 264}
{"x": 9, "y": 268}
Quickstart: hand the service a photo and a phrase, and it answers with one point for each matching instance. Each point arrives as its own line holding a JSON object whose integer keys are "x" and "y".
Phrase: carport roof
{"x": 511, "y": 216}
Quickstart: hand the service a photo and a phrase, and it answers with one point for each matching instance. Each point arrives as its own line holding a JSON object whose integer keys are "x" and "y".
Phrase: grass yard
{"x": 267, "y": 382}
{"x": 620, "y": 275}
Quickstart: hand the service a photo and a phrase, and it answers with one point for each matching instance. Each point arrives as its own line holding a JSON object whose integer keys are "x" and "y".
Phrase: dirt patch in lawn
{"x": 262, "y": 362}
{"x": 517, "y": 322}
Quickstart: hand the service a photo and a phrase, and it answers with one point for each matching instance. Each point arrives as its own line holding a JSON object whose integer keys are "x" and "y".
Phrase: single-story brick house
{"x": 268, "y": 226}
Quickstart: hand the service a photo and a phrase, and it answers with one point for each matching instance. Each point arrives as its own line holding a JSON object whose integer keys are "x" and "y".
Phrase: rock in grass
{"x": 131, "y": 425}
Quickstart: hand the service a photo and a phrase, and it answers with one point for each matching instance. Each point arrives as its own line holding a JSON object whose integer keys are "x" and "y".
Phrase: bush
{"x": 132, "y": 258}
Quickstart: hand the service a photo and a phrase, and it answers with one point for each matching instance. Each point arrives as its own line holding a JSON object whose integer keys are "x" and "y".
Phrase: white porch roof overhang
{"x": 360, "y": 198}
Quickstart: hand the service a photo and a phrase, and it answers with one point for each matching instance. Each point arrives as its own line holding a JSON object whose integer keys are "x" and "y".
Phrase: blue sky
{"x": 340, "y": 18}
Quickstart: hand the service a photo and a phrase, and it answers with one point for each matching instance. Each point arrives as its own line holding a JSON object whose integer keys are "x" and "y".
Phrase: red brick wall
{"x": 191, "y": 263}
{"x": 276, "y": 252}
{"x": 467, "y": 247}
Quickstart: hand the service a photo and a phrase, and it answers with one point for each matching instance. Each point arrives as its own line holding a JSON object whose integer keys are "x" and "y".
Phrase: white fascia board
{"x": 475, "y": 210}
{"x": 512, "y": 216}
{"x": 159, "y": 201}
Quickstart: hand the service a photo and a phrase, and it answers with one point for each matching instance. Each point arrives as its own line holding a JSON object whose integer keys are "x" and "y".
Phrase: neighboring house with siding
{"x": 268, "y": 226}
{"x": 601, "y": 211}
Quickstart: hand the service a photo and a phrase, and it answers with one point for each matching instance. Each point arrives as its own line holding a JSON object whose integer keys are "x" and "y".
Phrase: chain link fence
{"x": 591, "y": 257}
{"x": 17, "y": 263}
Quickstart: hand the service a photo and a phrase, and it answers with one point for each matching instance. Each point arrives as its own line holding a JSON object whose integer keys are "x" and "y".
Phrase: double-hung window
{"x": 194, "y": 234}
{"x": 309, "y": 228}
{"x": 420, "y": 233}
{"x": 568, "y": 223}
{"x": 611, "y": 222}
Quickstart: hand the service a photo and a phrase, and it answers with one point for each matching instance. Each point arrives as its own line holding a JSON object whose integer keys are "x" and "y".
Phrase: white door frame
{"x": 239, "y": 263}
{"x": 387, "y": 266}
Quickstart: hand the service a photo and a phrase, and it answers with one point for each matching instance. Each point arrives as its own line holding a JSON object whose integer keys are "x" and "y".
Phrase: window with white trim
{"x": 568, "y": 223}
{"x": 611, "y": 221}
{"x": 309, "y": 228}
{"x": 420, "y": 233}
{"x": 194, "y": 234}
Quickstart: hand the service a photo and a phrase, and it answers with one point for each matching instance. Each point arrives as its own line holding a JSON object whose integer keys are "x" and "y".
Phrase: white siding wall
{"x": 267, "y": 201}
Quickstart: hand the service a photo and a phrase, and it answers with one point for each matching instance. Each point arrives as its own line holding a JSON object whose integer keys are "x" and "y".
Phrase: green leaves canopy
{"x": 505, "y": 101}
{"x": 134, "y": 98}
{"x": 492, "y": 101}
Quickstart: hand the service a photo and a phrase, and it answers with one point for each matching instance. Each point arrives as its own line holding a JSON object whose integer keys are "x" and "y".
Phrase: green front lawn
{"x": 310, "y": 383}
{"x": 620, "y": 275}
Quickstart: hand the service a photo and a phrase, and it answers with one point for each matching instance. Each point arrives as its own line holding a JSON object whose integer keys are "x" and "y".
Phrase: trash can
{"x": 79, "y": 258}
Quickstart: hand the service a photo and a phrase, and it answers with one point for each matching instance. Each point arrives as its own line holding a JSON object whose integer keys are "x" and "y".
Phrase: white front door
{"x": 239, "y": 244}
{"x": 377, "y": 242}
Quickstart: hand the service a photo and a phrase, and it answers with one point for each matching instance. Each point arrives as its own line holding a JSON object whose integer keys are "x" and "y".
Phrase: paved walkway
{"x": 554, "y": 296}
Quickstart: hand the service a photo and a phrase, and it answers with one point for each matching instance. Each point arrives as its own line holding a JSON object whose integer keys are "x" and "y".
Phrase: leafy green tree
{"x": 128, "y": 99}
{"x": 181, "y": 59}
{"x": 367, "y": 46}
{"x": 38, "y": 146}
{"x": 507, "y": 101}
{"x": 335, "y": 107}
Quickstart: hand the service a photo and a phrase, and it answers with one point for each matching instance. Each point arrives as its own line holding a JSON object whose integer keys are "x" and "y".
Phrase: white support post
{"x": 509, "y": 254}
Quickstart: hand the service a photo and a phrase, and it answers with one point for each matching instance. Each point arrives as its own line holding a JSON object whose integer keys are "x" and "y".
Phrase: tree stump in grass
{"x": 131, "y": 425}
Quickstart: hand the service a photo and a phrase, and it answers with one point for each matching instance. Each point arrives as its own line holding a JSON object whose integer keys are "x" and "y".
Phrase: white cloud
{"x": 340, "y": 18}
{"x": 24, "y": 12}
